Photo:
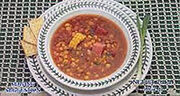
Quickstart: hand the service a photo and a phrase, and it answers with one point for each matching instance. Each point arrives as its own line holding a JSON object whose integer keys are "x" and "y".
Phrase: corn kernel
{"x": 111, "y": 36}
{"x": 68, "y": 28}
{"x": 77, "y": 61}
{"x": 61, "y": 48}
{"x": 95, "y": 37}
{"x": 58, "y": 65}
{"x": 99, "y": 39}
{"x": 108, "y": 65}
{"x": 72, "y": 59}
{"x": 108, "y": 45}
{"x": 88, "y": 73}
{"x": 79, "y": 75}
{"x": 73, "y": 64}
{"x": 65, "y": 61}
{"x": 60, "y": 59}
{"x": 67, "y": 24}
{"x": 71, "y": 74}
{"x": 85, "y": 45}
{"x": 92, "y": 63}
{"x": 80, "y": 70}
{"x": 66, "y": 52}
{"x": 89, "y": 36}
{"x": 86, "y": 77}
{"x": 89, "y": 43}
{"x": 73, "y": 34}
{"x": 65, "y": 56}
{"x": 91, "y": 23}
{"x": 93, "y": 41}
{"x": 78, "y": 53}
{"x": 104, "y": 61}
{"x": 68, "y": 70}
{"x": 96, "y": 75}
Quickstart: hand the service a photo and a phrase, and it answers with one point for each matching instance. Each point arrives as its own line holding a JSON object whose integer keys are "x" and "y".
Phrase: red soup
{"x": 88, "y": 47}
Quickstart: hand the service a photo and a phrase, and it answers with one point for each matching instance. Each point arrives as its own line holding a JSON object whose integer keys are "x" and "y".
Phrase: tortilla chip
{"x": 28, "y": 48}
{"x": 35, "y": 25}
{"x": 28, "y": 36}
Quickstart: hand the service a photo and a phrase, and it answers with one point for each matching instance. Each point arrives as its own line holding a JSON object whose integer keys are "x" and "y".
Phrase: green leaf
{"x": 145, "y": 25}
{"x": 142, "y": 32}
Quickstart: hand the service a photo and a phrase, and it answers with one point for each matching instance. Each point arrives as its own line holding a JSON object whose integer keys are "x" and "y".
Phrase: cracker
{"x": 28, "y": 36}
{"x": 35, "y": 25}
{"x": 28, "y": 48}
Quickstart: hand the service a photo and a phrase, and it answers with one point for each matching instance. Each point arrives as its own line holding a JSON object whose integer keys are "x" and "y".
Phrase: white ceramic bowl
{"x": 71, "y": 8}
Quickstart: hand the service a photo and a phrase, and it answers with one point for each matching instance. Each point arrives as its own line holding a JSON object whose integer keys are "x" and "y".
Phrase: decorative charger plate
{"x": 71, "y": 8}
{"x": 124, "y": 87}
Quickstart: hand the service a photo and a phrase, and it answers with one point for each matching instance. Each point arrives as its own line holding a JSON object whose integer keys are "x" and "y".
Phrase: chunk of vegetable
{"x": 76, "y": 40}
{"x": 101, "y": 31}
{"x": 98, "y": 48}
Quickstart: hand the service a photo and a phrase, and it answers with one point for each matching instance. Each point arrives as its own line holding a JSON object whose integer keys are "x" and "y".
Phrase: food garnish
{"x": 142, "y": 28}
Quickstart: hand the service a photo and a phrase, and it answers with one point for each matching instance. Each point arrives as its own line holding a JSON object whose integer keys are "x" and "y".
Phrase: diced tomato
{"x": 101, "y": 31}
{"x": 98, "y": 48}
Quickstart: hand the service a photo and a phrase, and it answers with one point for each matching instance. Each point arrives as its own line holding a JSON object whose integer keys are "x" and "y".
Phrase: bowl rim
{"x": 89, "y": 88}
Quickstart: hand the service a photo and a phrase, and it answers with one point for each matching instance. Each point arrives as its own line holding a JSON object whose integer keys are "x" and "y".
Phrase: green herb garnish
{"x": 142, "y": 28}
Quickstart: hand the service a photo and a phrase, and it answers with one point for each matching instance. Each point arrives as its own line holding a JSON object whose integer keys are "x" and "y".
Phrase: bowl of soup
{"x": 88, "y": 48}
